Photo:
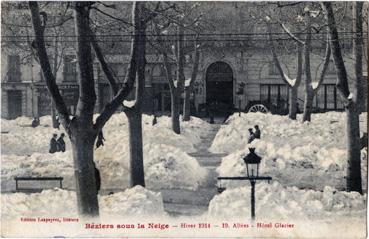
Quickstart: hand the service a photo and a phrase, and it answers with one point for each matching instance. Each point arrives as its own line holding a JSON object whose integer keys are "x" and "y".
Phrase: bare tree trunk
{"x": 175, "y": 106}
{"x": 292, "y": 114}
{"x": 135, "y": 148}
{"x": 292, "y": 111}
{"x": 84, "y": 135}
{"x": 309, "y": 93}
{"x": 83, "y": 154}
{"x": 187, "y": 103}
{"x": 353, "y": 176}
{"x": 177, "y": 91}
{"x": 134, "y": 114}
{"x": 54, "y": 120}
{"x": 188, "y": 89}
{"x": 353, "y": 110}
{"x": 358, "y": 54}
{"x": 308, "y": 105}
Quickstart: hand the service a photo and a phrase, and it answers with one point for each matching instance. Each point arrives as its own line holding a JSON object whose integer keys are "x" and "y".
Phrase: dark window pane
{"x": 320, "y": 97}
{"x": 70, "y": 70}
{"x": 330, "y": 97}
{"x": 274, "y": 94}
{"x": 13, "y": 68}
{"x": 264, "y": 92}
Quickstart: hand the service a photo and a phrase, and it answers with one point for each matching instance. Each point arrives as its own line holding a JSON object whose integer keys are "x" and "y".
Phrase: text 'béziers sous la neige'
{"x": 159, "y": 226}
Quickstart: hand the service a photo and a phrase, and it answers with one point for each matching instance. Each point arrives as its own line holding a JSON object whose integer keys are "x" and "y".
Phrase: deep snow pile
{"x": 165, "y": 167}
{"x": 21, "y": 139}
{"x": 295, "y": 154}
{"x": 167, "y": 164}
{"x": 304, "y": 167}
{"x": 273, "y": 201}
{"x": 133, "y": 202}
{"x": 325, "y": 130}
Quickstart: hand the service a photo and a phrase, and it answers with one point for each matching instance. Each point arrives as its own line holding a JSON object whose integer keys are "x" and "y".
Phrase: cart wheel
{"x": 259, "y": 108}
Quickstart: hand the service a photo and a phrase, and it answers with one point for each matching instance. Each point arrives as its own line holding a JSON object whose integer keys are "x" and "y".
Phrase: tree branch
{"x": 109, "y": 75}
{"x": 46, "y": 68}
{"x": 112, "y": 17}
{"x": 275, "y": 57}
{"x": 122, "y": 94}
{"x": 167, "y": 67}
{"x": 288, "y": 4}
{"x": 342, "y": 82}
{"x": 195, "y": 65}
{"x": 290, "y": 34}
{"x": 326, "y": 61}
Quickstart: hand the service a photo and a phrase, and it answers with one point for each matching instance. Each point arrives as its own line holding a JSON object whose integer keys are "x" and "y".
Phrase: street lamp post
{"x": 252, "y": 161}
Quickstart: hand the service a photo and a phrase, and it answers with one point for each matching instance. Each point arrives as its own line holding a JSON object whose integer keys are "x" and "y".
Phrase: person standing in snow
{"x": 53, "y": 144}
{"x": 61, "y": 143}
{"x": 251, "y": 136}
{"x": 257, "y": 133}
{"x": 35, "y": 122}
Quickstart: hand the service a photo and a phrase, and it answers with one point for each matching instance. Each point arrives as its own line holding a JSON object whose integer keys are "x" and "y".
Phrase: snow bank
{"x": 165, "y": 153}
{"x": 193, "y": 130}
{"x": 165, "y": 167}
{"x": 273, "y": 201}
{"x": 21, "y": 139}
{"x": 303, "y": 166}
{"x": 324, "y": 129}
{"x": 304, "y": 155}
{"x": 133, "y": 202}
{"x": 27, "y": 140}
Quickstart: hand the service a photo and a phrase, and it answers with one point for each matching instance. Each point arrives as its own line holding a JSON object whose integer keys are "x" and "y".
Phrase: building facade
{"x": 220, "y": 75}
{"x": 224, "y": 68}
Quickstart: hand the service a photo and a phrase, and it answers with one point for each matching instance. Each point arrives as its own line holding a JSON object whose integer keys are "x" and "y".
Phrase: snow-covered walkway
{"x": 181, "y": 202}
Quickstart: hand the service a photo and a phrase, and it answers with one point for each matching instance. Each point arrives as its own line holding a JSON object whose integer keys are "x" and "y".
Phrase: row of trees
{"x": 163, "y": 20}
{"x": 82, "y": 130}
{"x": 352, "y": 99}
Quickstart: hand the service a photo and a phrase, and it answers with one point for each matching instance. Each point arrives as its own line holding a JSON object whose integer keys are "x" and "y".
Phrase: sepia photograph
{"x": 184, "y": 119}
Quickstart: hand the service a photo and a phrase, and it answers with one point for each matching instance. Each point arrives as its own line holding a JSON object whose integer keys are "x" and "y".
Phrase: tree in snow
{"x": 184, "y": 17}
{"x": 293, "y": 84}
{"x": 134, "y": 112}
{"x": 81, "y": 128}
{"x": 350, "y": 98}
{"x": 305, "y": 16}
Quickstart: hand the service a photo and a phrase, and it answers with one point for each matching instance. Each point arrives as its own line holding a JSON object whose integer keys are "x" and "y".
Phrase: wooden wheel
{"x": 259, "y": 108}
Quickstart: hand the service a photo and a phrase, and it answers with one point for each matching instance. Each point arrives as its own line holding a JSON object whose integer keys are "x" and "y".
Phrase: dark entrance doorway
{"x": 219, "y": 87}
{"x": 14, "y": 103}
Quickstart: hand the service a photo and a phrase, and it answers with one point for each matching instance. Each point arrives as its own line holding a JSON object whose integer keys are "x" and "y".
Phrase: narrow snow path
{"x": 181, "y": 202}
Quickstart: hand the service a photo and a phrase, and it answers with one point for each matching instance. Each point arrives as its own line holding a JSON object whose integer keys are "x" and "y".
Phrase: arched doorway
{"x": 219, "y": 87}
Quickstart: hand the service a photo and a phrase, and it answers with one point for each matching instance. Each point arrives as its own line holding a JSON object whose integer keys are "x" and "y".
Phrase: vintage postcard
{"x": 184, "y": 119}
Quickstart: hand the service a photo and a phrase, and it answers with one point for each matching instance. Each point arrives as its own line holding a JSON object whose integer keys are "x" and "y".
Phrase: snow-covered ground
{"x": 276, "y": 202}
{"x": 167, "y": 165}
{"x": 133, "y": 202}
{"x": 306, "y": 161}
{"x": 310, "y": 155}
